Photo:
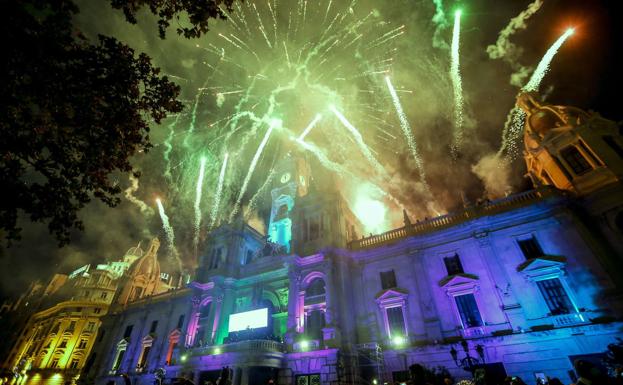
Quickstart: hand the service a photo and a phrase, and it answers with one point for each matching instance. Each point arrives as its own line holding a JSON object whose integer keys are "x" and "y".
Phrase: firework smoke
{"x": 508, "y": 51}
{"x": 129, "y": 194}
{"x": 441, "y": 24}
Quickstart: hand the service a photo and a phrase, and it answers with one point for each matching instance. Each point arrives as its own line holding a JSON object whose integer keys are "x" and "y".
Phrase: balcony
{"x": 249, "y": 347}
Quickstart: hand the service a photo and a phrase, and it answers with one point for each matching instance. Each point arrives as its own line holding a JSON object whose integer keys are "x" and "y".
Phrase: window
{"x": 388, "y": 279}
{"x": 103, "y": 295}
{"x": 249, "y": 257}
{"x": 143, "y": 360}
{"x": 555, "y": 296}
{"x": 216, "y": 258}
{"x": 314, "y": 322}
{"x": 63, "y": 343}
{"x": 90, "y": 327}
{"x": 453, "y": 265}
{"x": 97, "y": 310}
{"x": 154, "y": 326}
{"x": 611, "y": 141}
{"x": 83, "y": 343}
{"x": 313, "y": 228}
{"x": 78, "y": 309}
{"x": 530, "y": 248}
{"x": 203, "y": 324}
{"x": 54, "y": 363}
{"x": 74, "y": 363}
{"x": 128, "y": 331}
{"x": 55, "y": 329}
{"x": 575, "y": 160}
{"x": 396, "y": 322}
{"x": 180, "y": 321}
{"x": 468, "y": 310}
{"x": 72, "y": 327}
{"x": 308, "y": 379}
{"x": 119, "y": 359}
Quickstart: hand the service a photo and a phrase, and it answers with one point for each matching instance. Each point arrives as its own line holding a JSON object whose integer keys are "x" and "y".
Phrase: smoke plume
{"x": 509, "y": 52}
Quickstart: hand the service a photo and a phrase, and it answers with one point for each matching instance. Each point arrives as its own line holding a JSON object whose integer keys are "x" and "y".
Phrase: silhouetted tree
{"x": 73, "y": 112}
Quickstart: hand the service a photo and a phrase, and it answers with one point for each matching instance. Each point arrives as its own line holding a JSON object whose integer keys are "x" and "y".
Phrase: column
{"x": 510, "y": 306}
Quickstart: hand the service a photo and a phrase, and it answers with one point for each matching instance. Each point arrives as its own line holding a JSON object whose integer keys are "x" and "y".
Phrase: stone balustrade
{"x": 451, "y": 219}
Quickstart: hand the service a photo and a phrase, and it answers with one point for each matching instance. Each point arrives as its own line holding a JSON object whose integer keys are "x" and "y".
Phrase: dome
{"x": 543, "y": 120}
{"x": 148, "y": 264}
{"x": 136, "y": 251}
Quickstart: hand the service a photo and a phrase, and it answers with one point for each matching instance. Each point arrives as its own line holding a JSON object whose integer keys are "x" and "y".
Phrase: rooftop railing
{"x": 454, "y": 218}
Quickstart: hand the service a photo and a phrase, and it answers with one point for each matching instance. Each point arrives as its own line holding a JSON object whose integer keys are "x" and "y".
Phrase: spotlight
{"x": 398, "y": 340}
{"x": 304, "y": 345}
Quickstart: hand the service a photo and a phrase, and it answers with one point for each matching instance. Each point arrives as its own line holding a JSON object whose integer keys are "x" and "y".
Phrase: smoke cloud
{"x": 495, "y": 174}
{"x": 510, "y": 52}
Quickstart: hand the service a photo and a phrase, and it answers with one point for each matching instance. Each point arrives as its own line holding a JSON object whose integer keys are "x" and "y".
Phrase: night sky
{"x": 585, "y": 73}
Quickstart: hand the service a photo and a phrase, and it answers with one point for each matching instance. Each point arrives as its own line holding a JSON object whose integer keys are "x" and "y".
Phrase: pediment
{"x": 458, "y": 280}
{"x": 546, "y": 262}
{"x": 391, "y": 294}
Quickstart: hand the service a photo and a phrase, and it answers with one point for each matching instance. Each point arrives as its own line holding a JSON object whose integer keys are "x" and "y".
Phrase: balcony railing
{"x": 451, "y": 219}
{"x": 250, "y": 346}
{"x": 569, "y": 319}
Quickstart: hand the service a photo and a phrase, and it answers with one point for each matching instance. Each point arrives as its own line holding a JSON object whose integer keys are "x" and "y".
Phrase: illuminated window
{"x": 308, "y": 379}
{"x": 74, "y": 363}
{"x": 119, "y": 358}
{"x": 555, "y": 296}
{"x": 54, "y": 363}
{"x": 575, "y": 160}
{"x": 90, "y": 327}
{"x": 468, "y": 310}
{"x": 530, "y": 248}
{"x": 396, "y": 321}
{"x": 83, "y": 343}
{"x": 143, "y": 360}
{"x": 314, "y": 322}
{"x": 388, "y": 279}
{"x": 63, "y": 343}
{"x": 453, "y": 265}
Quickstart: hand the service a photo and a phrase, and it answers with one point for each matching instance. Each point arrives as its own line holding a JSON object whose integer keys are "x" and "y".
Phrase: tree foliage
{"x": 72, "y": 115}
{"x": 199, "y": 12}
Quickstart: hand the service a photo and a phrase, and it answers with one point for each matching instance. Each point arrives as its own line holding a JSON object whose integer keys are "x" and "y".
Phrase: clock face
{"x": 285, "y": 177}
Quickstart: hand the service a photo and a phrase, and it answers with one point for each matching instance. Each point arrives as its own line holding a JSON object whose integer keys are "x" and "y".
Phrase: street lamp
{"x": 468, "y": 363}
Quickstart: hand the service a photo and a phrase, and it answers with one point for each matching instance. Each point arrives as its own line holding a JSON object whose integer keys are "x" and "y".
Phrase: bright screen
{"x": 248, "y": 320}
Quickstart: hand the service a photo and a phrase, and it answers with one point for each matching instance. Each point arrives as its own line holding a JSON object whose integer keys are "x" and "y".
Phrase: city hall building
{"x": 523, "y": 285}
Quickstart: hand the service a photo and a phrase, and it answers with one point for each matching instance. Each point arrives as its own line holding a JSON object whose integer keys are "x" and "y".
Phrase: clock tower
{"x": 292, "y": 180}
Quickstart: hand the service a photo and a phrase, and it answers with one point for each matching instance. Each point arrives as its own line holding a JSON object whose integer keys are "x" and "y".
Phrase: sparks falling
{"x": 168, "y": 231}
{"x": 197, "y": 206}
{"x": 359, "y": 140}
{"x": 516, "y": 119}
{"x": 256, "y": 158}
{"x": 310, "y": 126}
{"x": 408, "y": 132}
{"x": 219, "y": 192}
{"x": 457, "y": 87}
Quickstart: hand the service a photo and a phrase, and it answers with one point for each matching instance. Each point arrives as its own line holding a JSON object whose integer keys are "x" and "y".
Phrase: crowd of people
{"x": 587, "y": 374}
